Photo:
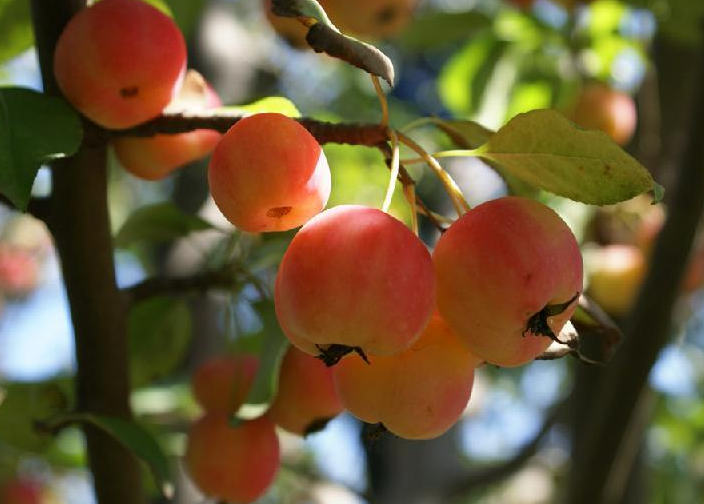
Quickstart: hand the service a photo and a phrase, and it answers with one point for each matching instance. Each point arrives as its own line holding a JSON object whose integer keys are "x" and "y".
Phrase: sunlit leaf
{"x": 547, "y": 151}
{"x": 15, "y": 28}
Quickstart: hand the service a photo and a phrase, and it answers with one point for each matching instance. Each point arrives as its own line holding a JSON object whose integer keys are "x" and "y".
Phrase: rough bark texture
{"x": 80, "y": 226}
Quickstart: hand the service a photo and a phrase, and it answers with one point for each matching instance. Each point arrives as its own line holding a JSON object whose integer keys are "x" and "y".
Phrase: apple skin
{"x": 233, "y": 464}
{"x": 306, "y": 398}
{"x": 222, "y": 383}
{"x": 416, "y": 394}
{"x": 600, "y": 107}
{"x": 153, "y": 158}
{"x": 354, "y": 276}
{"x": 120, "y": 62}
{"x": 21, "y": 491}
{"x": 499, "y": 265}
{"x": 19, "y": 271}
{"x": 615, "y": 277}
{"x": 268, "y": 173}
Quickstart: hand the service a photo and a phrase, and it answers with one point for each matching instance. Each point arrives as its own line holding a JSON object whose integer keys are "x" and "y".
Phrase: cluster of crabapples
{"x": 378, "y": 326}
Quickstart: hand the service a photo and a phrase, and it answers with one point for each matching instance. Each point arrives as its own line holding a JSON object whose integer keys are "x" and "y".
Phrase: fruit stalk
{"x": 80, "y": 225}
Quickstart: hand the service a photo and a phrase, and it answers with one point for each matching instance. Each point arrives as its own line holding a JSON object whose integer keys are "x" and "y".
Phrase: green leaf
{"x": 469, "y": 135}
{"x": 23, "y": 405}
{"x": 437, "y": 29}
{"x": 463, "y": 80}
{"x": 34, "y": 129}
{"x": 159, "y": 332}
{"x": 276, "y": 104}
{"x": 546, "y": 150}
{"x": 186, "y": 13}
{"x": 158, "y": 222}
{"x": 135, "y": 438}
{"x": 265, "y": 384}
{"x": 15, "y": 28}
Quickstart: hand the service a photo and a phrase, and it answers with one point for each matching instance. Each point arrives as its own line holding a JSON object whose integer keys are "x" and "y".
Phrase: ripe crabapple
{"x": 233, "y": 464}
{"x": 354, "y": 277}
{"x": 306, "y": 399}
{"x": 498, "y": 268}
{"x": 615, "y": 277}
{"x": 153, "y": 158}
{"x": 600, "y": 107}
{"x": 19, "y": 271}
{"x": 21, "y": 491}
{"x": 416, "y": 394}
{"x": 120, "y": 62}
{"x": 222, "y": 383}
{"x": 268, "y": 174}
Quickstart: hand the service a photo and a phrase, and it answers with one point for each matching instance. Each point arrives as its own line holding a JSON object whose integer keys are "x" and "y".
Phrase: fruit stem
{"x": 453, "y": 191}
{"x": 409, "y": 192}
{"x": 382, "y": 100}
{"x": 395, "y": 166}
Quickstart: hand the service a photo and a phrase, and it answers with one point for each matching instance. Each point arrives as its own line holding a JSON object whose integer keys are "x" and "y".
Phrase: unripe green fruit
{"x": 416, "y": 394}
{"x": 233, "y": 464}
{"x": 153, "y": 158}
{"x": 223, "y": 382}
{"x": 120, "y": 62}
{"x": 498, "y": 267}
{"x": 306, "y": 398}
{"x": 357, "y": 277}
{"x": 268, "y": 174}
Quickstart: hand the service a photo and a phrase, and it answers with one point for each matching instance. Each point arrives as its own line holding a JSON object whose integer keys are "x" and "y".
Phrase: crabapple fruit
{"x": 153, "y": 158}
{"x": 234, "y": 464}
{"x": 306, "y": 399}
{"x": 416, "y": 394}
{"x": 498, "y": 269}
{"x": 268, "y": 173}
{"x": 19, "y": 271}
{"x": 356, "y": 277}
{"x": 120, "y": 62}
{"x": 21, "y": 491}
{"x": 223, "y": 382}
{"x": 600, "y": 107}
{"x": 617, "y": 274}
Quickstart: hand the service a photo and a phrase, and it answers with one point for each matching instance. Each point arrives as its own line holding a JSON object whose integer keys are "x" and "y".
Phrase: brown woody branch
{"x": 324, "y": 132}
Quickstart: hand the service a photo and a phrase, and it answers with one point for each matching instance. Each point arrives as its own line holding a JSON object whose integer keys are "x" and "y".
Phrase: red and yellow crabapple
{"x": 600, "y": 107}
{"x": 268, "y": 173}
{"x": 222, "y": 383}
{"x": 615, "y": 275}
{"x": 153, "y": 158}
{"x": 120, "y": 62}
{"x": 233, "y": 464}
{"x": 416, "y": 394}
{"x": 306, "y": 398}
{"x": 356, "y": 277}
{"x": 498, "y": 267}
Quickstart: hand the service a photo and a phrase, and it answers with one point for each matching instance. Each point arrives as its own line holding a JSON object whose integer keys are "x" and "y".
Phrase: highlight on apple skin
{"x": 233, "y": 464}
{"x": 268, "y": 173}
{"x": 153, "y": 158}
{"x": 120, "y": 62}
{"x": 498, "y": 267}
{"x": 416, "y": 394}
{"x": 306, "y": 398}
{"x": 357, "y": 277}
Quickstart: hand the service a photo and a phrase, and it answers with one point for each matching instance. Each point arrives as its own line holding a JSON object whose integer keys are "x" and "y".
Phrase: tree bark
{"x": 80, "y": 225}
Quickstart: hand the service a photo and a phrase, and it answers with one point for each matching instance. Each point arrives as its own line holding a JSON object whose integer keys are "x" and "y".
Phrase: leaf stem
{"x": 453, "y": 191}
{"x": 395, "y": 165}
{"x": 382, "y": 100}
